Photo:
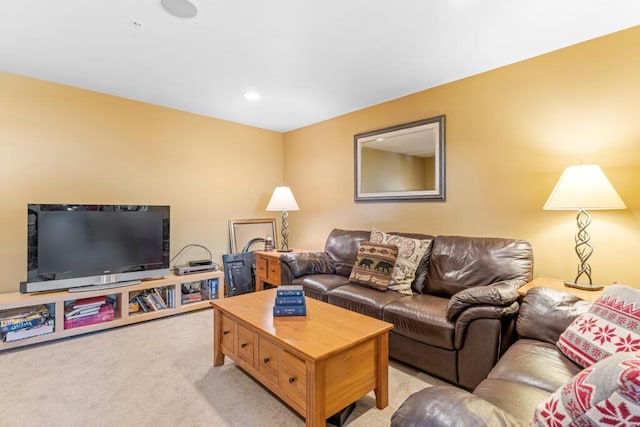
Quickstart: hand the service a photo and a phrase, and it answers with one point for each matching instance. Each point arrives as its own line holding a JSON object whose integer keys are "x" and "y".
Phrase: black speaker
{"x": 239, "y": 273}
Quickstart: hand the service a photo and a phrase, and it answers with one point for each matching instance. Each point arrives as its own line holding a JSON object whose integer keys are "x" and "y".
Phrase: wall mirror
{"x": 249, "y": 234}
{"x": 403, "y": 162}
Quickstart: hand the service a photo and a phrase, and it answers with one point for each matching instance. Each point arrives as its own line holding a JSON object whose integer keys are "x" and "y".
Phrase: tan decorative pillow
{"x": 374, "y": 265}
{"x": 410, "y": 253}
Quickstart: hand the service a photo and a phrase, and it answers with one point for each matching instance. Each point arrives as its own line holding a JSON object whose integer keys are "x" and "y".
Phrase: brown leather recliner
{"x": 460, "y": 317}
{"x": 531, "y": 369}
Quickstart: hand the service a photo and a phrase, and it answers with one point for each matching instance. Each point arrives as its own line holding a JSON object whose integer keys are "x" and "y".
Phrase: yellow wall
{"x": 510, "y": 133}
{"x": 60, "y": 144}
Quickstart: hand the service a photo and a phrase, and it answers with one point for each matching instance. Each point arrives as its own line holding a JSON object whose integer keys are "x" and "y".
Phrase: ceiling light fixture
{"x": 179, "y": 8}
{"x": 252, "y": 96}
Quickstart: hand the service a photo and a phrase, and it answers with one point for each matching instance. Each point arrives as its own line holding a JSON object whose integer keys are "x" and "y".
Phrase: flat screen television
{"x": 78, "y": 246}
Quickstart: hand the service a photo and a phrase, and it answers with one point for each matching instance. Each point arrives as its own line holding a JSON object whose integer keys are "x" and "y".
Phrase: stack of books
{"x": 290, "y": 301}
{"x": 25, "y": 322}
{"x": 153, "y": 299}
{"x": 87, "y": 311}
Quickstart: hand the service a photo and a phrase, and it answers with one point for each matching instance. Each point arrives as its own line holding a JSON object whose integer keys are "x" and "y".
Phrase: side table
{"x": 268, "y": 267}
{"x": 557, "y": 284}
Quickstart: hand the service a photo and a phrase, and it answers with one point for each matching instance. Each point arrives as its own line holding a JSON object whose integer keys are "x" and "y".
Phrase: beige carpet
{"x": 157, "y": 373}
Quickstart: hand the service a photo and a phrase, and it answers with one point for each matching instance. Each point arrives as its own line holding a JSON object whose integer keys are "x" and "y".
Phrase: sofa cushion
{"x": 519, "y": 400}
{"x": 342, "y": 246}
{"x": 606, "y": 393}
{"x": 304, "y": 263}
{"x": 318, "y": 285}
{"x": 410, "y": 253}
{"x": 422, "y": 318}
{"x": 611, "y": 325}
{"x": 536, "y": 363}
{"x": 459, "y": 262}
{"x": 374, "y": 265}
{"x": 545, "y": 313}
{"x": 362, "y": 299}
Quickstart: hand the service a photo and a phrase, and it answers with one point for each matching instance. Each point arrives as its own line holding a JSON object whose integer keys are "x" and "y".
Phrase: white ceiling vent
{"x": 179, "y": 8}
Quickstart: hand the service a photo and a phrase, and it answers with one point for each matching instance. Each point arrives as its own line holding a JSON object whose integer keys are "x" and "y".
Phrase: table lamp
{"x": 582, "y": 188}
{"x": 282, "y": 200}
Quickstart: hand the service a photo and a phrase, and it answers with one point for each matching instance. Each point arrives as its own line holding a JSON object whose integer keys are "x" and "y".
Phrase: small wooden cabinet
{"x": 268, "y": 268}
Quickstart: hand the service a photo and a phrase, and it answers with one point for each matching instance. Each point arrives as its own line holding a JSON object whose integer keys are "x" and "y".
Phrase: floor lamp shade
{"x": 582, "y": 188}
{"x": 282, "y": 200}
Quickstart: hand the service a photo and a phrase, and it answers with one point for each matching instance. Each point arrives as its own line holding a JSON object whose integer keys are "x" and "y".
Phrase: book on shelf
{"x": 290, "y": 291}
{"x": 209, "y": 289}
{"x": 297, "y": 300}
{"x": 289, "y": 310}
{"x": 141, "y": 304}
{"x": 106, "y": 313}
{"x": 19, "y": 334}
{"x": 82, "y": 312}
{"x": 18, "y": 318}
{"x": 24, "y": 323}
{"x": 189, "y": 298}
{"x": 157, "y": 293}
{"x": 88, "y": 302}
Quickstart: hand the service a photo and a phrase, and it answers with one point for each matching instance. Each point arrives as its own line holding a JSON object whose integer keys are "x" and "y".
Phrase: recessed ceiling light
{"x": 252, "y": 96}
{"x": 179, "y": 8}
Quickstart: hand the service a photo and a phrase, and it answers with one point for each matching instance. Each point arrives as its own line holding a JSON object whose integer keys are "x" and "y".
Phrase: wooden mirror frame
{"x": 437, "y": 127}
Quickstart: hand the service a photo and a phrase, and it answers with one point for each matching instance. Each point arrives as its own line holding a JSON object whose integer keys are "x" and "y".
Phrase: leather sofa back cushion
{"x": 459, "y": 262}
{"x": 545, "y": 313}
{"x": 342, "y": 246}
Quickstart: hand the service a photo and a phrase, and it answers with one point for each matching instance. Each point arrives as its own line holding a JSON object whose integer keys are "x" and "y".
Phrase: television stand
{"x": 104, "y": 286}
{"x": 210, "y": 285}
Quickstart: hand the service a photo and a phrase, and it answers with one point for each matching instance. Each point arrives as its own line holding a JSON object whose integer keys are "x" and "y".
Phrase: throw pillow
{"x": 374, "y": 265}
{"x": 611, "y": 325}
{"x": 605, "y": 394}
{"x": 410, "y": 253}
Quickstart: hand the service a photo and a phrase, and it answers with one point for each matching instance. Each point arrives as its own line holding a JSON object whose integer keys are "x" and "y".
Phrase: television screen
{"x": 80, "y": 245}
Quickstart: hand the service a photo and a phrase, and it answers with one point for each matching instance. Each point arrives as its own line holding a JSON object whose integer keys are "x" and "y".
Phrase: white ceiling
{"x": 309, "y": 60}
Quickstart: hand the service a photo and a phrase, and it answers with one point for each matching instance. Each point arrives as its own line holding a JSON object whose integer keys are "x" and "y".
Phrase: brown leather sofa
{"x": 459, "y": 319}
{"x": 530, "y": 370}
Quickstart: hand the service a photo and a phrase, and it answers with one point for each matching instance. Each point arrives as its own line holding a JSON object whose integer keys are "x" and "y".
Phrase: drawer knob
{"x": 225, "y": 332}
{"x": 265, "y": 360}
{"x": 291, "y": 380}
{"x": 243, "y": 345}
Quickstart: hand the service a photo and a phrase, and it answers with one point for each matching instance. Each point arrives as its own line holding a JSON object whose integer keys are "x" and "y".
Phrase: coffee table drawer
{"x": 228, "y": 334}
{"x": 293, "y": 378}
{"x": 268, "y": 359}
{"x": 246, "y": 345}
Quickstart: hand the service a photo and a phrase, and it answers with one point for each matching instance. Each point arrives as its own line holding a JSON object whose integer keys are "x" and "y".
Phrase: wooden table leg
{"x": 382, "y": 376}
{"x": 218, "y": 356}
{"x": 316, "y": 403}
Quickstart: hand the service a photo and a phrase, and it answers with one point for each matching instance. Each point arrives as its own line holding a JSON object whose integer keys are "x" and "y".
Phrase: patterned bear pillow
{"x": 605, "y": 394}
{"x": 611, "y": 325}
{"x": 410, "y": 253}
{"x": 374, "y": 265}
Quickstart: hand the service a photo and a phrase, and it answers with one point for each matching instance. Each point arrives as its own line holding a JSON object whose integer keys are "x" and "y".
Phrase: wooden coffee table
{"x": 318, "y": 364}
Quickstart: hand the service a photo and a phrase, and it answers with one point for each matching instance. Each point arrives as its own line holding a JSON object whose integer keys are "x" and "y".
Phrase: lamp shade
{"x": 583, "y": 187}
{"x": 282, "y": 200}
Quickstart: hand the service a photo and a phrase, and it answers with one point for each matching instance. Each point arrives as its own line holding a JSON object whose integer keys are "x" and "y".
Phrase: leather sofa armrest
{"x": 545, "y": 313}
{"x": 499, "y": 294}
{"x": 305, "y": 263}
{"x": 445, "y": 406}
{"x": 481, "y": 312}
